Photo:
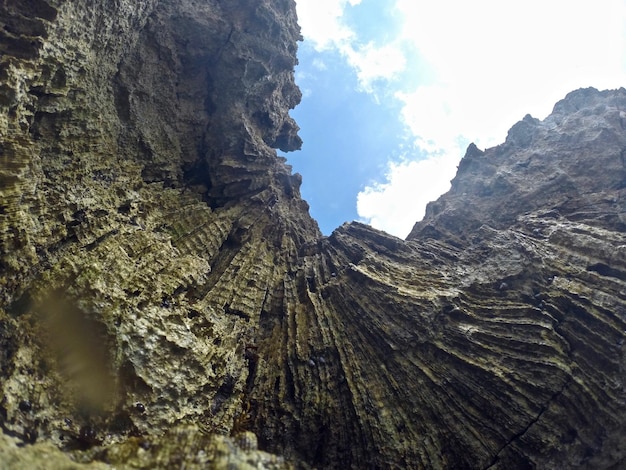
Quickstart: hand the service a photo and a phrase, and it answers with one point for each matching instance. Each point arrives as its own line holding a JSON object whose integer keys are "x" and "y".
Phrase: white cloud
{"x": 496, "y": 61}
{"x": 321, "y": 22}
{"x": 374, "y": 63}
{"x": 396, "y": 205}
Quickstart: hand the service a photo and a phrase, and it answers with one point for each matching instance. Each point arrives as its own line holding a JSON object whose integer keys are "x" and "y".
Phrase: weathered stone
{"x": 166, "y": 300}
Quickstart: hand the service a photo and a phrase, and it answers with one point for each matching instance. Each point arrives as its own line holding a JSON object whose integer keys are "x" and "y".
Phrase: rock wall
{"x": 166, "y": 300}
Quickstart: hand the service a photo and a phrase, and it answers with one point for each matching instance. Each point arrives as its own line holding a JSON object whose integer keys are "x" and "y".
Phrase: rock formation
{"x": 166, "y": 300}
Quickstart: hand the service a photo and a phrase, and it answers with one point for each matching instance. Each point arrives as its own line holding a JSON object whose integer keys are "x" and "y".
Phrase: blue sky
{"x": 395, "y": 90}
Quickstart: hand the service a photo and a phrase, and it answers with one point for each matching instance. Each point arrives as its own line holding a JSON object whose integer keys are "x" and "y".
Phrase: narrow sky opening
{"x": 395, "y": 90}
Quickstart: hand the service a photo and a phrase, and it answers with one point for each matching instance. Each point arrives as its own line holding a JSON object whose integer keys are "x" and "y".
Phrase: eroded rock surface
{"x": 165, "y": 298}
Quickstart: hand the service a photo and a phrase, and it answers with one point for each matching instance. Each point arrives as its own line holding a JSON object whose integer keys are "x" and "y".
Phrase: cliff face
{"x": 164, "y": 293}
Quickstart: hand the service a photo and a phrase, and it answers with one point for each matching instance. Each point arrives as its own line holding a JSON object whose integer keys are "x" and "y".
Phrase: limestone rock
{"x": 166, "y": 300}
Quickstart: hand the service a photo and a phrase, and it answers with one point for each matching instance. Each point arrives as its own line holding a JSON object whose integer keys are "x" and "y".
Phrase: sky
{"x": 395, "y": 90}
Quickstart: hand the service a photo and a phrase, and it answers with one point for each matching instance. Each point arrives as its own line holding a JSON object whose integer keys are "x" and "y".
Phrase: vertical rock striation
{"x": 165, "y": 298}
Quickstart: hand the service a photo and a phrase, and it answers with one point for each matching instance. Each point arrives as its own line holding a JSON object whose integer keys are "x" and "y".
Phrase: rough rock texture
{"x": 166, "y": 300}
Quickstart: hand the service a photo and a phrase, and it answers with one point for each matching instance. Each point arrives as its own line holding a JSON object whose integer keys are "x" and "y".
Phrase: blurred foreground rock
{"x": 166, "y": 301}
